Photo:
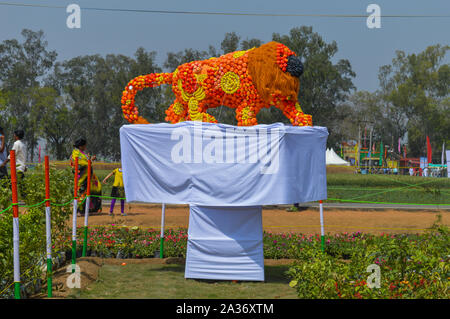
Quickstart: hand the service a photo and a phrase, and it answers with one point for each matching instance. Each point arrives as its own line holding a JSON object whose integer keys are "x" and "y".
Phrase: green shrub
{"x": 411, "y": 266}
{"x": 32, "y": 224}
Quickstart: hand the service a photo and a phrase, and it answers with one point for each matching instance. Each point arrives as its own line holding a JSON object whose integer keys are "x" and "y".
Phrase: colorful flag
{"x": 381, "y": 154}
{"x": 429, "y": 154}
{"x": 365, "y": 131}
{"x": 399, "y": 151}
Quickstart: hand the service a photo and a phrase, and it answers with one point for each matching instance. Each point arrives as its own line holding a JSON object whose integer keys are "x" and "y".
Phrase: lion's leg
{"x": 177, "y": 112}
{"x": 206, "y": 117}
{"x": 196, "y": 110}
{"x": 246, "y": 115}
{"x": 295, "y": 114}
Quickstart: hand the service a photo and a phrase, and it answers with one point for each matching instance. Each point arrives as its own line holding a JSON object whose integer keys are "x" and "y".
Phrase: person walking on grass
{"x": 117, "y": 192}
{"x": 21, "y": 157}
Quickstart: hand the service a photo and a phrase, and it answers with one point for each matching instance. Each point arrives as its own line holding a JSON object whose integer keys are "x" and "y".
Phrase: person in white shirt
{"x": 411, "y": 171}
{"x": 3, "y": 154}
{"x": 21, "y": 156}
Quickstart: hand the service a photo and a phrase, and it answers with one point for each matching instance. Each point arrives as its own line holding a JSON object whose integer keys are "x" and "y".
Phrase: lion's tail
{"x": 130, "y": 110}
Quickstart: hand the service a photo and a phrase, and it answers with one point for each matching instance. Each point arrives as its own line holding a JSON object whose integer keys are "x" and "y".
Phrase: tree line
{"x": 57, "y": 102}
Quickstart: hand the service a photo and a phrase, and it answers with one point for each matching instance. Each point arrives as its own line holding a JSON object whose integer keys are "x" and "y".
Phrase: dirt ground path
{"x": 278, "y": 220}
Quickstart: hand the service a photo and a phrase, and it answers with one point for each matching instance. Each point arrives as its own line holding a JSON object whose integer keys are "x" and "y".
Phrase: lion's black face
{"x": 294, "y": 66}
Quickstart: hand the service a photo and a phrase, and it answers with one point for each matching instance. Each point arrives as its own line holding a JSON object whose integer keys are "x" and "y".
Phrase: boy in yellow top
{"x": 118, "y": 191}
{"x": 96, "y": 188}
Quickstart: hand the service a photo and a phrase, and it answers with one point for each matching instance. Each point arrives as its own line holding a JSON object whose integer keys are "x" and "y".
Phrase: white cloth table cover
{"x": 223, "y": 165}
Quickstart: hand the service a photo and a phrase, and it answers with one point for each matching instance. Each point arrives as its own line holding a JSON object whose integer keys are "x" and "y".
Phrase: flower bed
{"x": 411, "y": 265}
{"x": 408, "y": 266}
{"x": 128, "y": 242}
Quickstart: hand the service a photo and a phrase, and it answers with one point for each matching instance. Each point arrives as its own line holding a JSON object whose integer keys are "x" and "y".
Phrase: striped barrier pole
{"x": 322, "y": 232}
{"x": 74, "y": 220}
{"x": 161, "y": 245}
{"x": 48, "y": 225}
{"x": 86, "y": 208}
{"x": 15, "y": 205}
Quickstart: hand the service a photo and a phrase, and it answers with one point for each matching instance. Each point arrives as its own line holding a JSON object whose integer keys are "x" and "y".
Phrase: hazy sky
{"x": 123, "y": 32}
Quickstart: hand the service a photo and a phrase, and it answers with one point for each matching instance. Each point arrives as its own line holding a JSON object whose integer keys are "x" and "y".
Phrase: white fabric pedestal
{"x": 227, "y": 172}
{"x": 225, "y": 243}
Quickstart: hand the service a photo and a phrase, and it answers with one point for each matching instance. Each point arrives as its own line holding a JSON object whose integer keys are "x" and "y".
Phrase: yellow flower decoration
{"x": 193, "y": 105}
{"x": 230, "y": 82}
{"x": 199, "y": 94}
{"x": 178, "y": 108}
{"x": 246, "y": 113}
{"x": 238, "y": 54}
{"x": 200, "y": 77}
{"x": 193, "y": 110}
{"x": 298, "y": 108}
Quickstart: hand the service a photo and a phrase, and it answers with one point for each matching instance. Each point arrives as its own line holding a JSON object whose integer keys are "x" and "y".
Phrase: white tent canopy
{"x": 334, "y": 159}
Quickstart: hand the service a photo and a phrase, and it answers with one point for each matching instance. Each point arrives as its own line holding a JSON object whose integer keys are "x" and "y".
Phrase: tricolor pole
{"x": 322, "y": 232}
{"x": 48, "y": 225}
{"x": 86, "y": 208}
{"x": 74, "y": 220}
{"x": 161, "y": 245}
{"x": 15, "y": 204}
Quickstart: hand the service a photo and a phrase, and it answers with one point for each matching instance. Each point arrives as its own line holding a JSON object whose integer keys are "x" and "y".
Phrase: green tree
{"x": 6, "y": 120}
{"x": 174, "y": 60}
{"x": 249, "y": 44}
{"x": 230, "y": 43}
{"x": 366, "y": 111}
{"x": 361, "y": 111}
{"x": 416, "y": 88}
{"x": 56, "y": 122}
{"x": 22, "y": 67}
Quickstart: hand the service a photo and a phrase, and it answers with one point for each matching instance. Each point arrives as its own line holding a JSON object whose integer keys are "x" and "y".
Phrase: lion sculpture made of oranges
{"x": 244, "y": 80}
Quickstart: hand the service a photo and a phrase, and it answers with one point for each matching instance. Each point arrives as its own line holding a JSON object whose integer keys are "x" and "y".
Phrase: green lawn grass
{"x": 388, "y": 189}
{"x": 381, "y": 180}
{"x": 428, "y": 196}
{"x": 166, "y": 281}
